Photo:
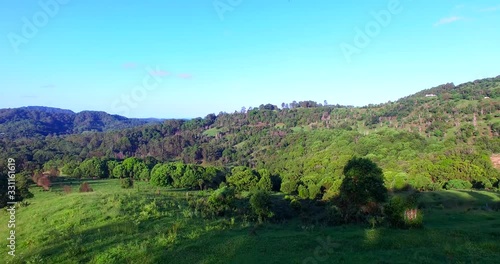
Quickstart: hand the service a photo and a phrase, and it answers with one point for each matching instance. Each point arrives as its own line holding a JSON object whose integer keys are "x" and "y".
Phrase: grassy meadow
{"x": 155, "y": 225}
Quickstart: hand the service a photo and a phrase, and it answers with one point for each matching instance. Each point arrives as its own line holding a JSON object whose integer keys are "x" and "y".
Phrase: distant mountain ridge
{"x": 48, "y": 109}
{"x": 32, "y": 121}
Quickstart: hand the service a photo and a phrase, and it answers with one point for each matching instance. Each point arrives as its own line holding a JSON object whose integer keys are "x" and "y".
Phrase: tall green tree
{"x": 363, "y": 184}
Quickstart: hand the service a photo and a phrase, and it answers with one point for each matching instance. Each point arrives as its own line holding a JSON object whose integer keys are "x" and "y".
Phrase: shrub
{"x": 127, "y": 183}
{"x": 44, "y": 182}
{"x": 243, "y": 178}
{"x": 296, "y": 205}
{"x": 85, "y": 187}
{"x": 288, "y": 186}
{"x": 260, "y": 202}
{"x": 221, "y": 200}
{"x": 401, "y": 212}
{"x": 303, "y": 192}
{"x": 458, "y": 184}
{"x": 314, "y": 191}
{"x": 67, "y": 189}
{"x": 333, "y": 215}
{"x": 265, "y": 183}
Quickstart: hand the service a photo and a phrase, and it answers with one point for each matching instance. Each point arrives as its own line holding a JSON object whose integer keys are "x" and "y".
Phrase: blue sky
{"x": 181, "y": 58}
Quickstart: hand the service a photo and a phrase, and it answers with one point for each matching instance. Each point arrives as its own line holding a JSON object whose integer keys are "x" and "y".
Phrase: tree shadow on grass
{"x": 485, "y": 201}
{"x": 457, "y": 199}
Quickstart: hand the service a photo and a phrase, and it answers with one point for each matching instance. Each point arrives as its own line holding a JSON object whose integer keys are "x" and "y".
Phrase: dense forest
{"x": 35, "y": 121}
{"x": 441, "y": 137}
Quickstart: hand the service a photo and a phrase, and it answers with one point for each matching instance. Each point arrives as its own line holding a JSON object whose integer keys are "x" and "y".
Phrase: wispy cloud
{"x": 448, "y": 20}
{"x": 491, "y": 9}
{"x": 185, "y": 76}
{"x": 48, "y": 86}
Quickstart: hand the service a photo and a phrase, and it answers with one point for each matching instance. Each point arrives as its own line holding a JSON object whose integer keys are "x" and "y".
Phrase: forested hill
{"x": 426, "y": 139}
{"x": 35, "y": 121}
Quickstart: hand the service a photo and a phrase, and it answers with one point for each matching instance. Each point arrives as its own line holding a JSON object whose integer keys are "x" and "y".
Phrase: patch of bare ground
{"x": 495, "y": 159}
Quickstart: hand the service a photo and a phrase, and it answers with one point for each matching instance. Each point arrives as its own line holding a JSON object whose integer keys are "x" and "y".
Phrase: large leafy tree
{"x": 160, "y": 175}
{"x": 93, "y": 167}
{"x": 363, "y": 185}
{"x": 243, "y": 178}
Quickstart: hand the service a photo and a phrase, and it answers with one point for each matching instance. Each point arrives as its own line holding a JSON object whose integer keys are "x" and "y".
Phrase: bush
{"x": 67, "y": 189}
{"x": 401, "y": 212}
{"x": 333, "y": 215}
{"x": 458, "y": 184}
{"x": 303, "y": 192}
{"x": 314, "y": 191}
{"x": 44, "y": 182}
{"x": 221, "y": 200}
{"x": 85, "y": 187}
{"x": 288, "y": 187}
{"x": 296, "y": 205}
{"x": 260, "y": 202}
{"x": 265, "y": 183}
{"x": 127, "y": 183}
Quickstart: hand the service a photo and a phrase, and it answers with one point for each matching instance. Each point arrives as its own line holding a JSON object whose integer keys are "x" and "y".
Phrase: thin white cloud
{"x": 448, "y": 20}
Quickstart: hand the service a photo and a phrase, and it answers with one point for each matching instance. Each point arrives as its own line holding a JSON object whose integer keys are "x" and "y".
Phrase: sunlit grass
{"x": 114, "y": 225}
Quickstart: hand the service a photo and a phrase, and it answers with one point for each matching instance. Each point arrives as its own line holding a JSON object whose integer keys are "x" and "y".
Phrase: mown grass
{"x": 154, "y": 225}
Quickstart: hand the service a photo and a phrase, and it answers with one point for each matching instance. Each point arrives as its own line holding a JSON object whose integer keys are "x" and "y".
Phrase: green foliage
{"x": 221, "y": 200}
{"x": 402, "y": 212}
{"x": 289, "y": 186}
{"x": 314, "y": 191}
{"x": 303, "y": 192}
{"x": 144, "y": 175}
{"x": 21, "y": 188}
{"x": 243, "y": 178}
{"x": 69, "y": 168}
{"x": 265, "y": 183}
{"x": 193, "y": 177}
{"x": 334, "y": 215}
{"x": 260, "y": 202}
{"x": 133, "y": 167}
{"x": 114, "y": 225}
{"x": 93, "y": 167}
{"x": 363, "y": 184}
{"x": 160, "y": 175}
{"x": 127, "y": 183}
{"x": 119, "y": 171}
{"x": 457, "y": 184}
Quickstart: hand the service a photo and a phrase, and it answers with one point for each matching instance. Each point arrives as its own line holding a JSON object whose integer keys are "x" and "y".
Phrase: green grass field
{"x": 154, "y": 225}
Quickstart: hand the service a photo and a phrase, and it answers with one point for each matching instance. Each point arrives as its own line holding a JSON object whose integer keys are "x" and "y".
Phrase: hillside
{"x": 421, "y": 140}
{"x": 33, "y": 121}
